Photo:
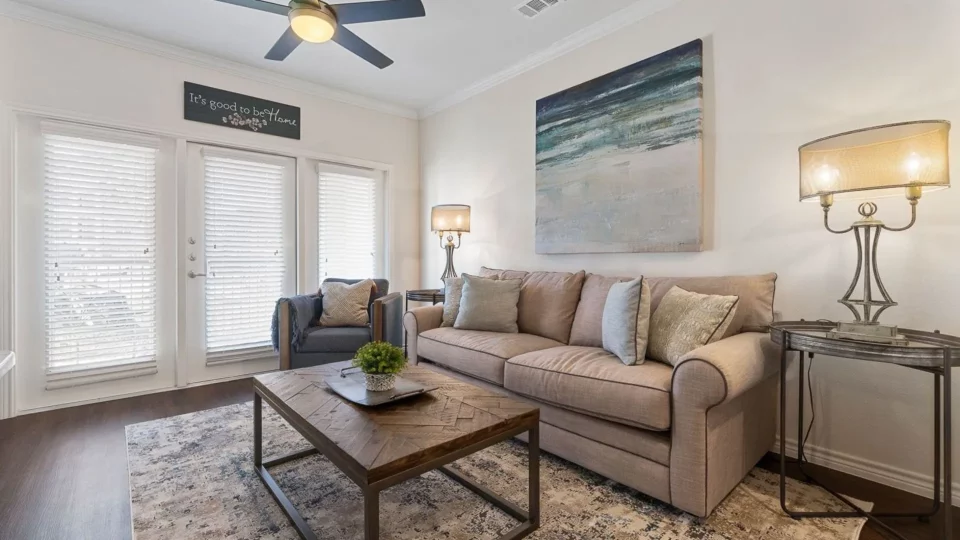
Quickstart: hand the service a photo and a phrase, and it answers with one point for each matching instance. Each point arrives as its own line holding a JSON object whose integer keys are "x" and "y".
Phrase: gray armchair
{"x": 302, "y": 343}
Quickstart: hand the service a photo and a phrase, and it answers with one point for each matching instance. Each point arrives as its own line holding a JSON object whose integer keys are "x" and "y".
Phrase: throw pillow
{"x": 686, "y": 320}
{"x": 626, "y": 321}
{"x": 453, "y": 289}
{"x": 488, "y": 304}
{"x": 346, "y": 305}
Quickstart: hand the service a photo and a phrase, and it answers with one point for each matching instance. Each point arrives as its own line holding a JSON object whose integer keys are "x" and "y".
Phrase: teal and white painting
{"x": 619, "y": 159}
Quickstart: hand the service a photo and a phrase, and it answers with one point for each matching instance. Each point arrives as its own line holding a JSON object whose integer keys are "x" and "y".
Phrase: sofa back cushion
{"x": 587, "y": 328}
{"x": 754, "y": 310}
{"x": 548, "y": 301}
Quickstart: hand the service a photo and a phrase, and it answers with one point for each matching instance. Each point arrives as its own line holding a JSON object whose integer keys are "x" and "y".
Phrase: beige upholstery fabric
{"x": 453, "y": 289}
{"x": 685, "y": 321}
{"x": 477, "y": 353}
{"x": 652, "y": 445}
{"x": 346, "y": 305}
{"x": 755, "y": 309}
{"x": 548, "y": 302}
{"x": 420, "y": 320}
{"x": 502, "y": 274}
{"x": 626, "y": 321}
{"x": 587, "y": 324}
{"x": 488, "y": 304}
{"x": 594, "y": 382}
{"x": 628, "y": 469}
{"x": 724, "y": 409}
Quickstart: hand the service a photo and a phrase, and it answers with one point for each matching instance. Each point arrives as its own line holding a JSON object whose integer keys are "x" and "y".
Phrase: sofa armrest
{"x": 725, "y": 369}
{"x": 723, "y": 409}
{"x": 387, "y": 319}
{"x": 420, "y": 320}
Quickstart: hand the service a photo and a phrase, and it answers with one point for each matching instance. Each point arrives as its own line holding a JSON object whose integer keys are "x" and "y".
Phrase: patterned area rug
{"x": 191, "y": 476}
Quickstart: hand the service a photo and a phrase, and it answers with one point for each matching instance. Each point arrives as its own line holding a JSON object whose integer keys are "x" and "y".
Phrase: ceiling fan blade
{"x": 260, "y": 5}
{"x": 385, "y": 10}
{"x": 284, "y": 46}
{"x": 361, "y": 48}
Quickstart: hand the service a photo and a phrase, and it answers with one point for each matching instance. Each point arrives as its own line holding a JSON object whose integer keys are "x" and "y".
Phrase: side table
{"x": 434, "y": 296}
{"x": 930, "y": 352}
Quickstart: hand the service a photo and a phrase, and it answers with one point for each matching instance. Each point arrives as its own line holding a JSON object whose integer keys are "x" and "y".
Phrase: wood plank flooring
{"x": 63, "y": 474}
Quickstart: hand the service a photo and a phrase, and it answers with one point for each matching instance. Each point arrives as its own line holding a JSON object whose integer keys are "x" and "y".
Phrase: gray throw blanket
{"x": 301, "y": 314}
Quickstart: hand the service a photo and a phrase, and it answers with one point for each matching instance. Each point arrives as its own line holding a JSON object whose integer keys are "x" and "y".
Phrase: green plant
{"x": 380, "y": 357}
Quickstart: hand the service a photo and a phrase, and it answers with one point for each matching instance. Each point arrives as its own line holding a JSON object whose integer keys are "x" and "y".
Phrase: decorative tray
{"x": 351, "y": 385}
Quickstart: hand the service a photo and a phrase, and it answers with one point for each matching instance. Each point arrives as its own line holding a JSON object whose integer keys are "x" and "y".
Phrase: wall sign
{"x": 229, "y": 109}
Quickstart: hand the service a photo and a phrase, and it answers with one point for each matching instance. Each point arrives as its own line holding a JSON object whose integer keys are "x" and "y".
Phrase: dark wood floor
{"x": 63, "y": 474}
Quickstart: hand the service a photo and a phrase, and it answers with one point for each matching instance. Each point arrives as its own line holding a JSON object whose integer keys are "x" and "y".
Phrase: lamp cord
{"x": 801, "y": 455}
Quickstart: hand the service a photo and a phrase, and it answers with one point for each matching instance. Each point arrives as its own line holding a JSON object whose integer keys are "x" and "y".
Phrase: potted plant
{"x": 380, "y": 362}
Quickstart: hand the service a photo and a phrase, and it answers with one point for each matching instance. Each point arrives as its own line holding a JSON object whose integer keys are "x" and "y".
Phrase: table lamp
{"x": 446, "y": 219}
{"x": 904, "y": 159}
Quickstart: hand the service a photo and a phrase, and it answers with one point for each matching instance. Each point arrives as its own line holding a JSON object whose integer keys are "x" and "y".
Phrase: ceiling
{"x": 460, "y": 43}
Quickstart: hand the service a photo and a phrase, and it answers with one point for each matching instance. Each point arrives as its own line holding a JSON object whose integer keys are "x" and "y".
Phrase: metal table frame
{"x": 529, "y": 519}
{"x": 936, "y": 357}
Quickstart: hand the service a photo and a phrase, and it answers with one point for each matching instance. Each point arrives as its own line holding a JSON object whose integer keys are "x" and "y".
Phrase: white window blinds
{"x": 349, "y": 231}
{"x": 244, "y": 246}
{"x": 100, "y": 272}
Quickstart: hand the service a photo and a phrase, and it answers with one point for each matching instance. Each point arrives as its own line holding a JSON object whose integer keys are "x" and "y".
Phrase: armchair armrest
{"x": 386, "y": 318}
{"x": 725, "y": 369}
{"x": 291, "y": 318}
{"x": 420, "y": 320}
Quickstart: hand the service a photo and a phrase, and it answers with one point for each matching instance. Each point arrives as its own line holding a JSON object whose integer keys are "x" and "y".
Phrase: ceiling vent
{"x": 532, "y": 8}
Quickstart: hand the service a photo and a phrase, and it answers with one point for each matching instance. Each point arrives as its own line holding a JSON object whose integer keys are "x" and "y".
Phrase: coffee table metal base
{"x": 529, "y": 519}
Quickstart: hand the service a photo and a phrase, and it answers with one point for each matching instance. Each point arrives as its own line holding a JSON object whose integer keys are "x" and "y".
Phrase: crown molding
{"x": 33, "y": 15}
{"x": 604, "y": 27}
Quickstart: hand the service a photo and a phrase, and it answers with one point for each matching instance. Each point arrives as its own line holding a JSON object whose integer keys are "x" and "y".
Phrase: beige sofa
{"x": 685, "y": 435}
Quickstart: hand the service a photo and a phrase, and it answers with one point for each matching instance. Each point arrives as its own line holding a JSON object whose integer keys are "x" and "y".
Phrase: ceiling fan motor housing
{"x": 312, "y": 21}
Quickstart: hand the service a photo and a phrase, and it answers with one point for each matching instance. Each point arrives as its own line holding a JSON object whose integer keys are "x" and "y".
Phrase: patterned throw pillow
{"x": 489, "y": 304}
{"x": 686, "y": 320}
{"x": 346, "y": 305}
{"x": 453, "y": 289}
{"x": 626, "y": 321}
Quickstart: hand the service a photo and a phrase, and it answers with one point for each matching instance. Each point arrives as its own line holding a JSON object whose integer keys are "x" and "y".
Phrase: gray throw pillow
{"x": 489, "y": 304}
{"x": 685, "y": 321}
{"x": 346, "y": 305}
{"x": 626, "y": 321}
{"x": 453, "y": 289}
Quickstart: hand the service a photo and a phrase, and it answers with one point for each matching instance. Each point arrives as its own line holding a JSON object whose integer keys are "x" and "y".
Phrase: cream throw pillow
{"x": 453, "y": 289}
{"x": 626, "y": 321}
{"x": 489, "y": 304}
{"x": 686, "y": 320}
{"x": 346, "y": 305}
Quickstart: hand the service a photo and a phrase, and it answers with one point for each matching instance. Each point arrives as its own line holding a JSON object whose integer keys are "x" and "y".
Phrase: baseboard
{"x": 881, "y": 473}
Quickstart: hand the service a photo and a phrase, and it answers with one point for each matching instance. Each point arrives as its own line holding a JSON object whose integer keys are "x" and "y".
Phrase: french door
{"x": 239, "y": 244}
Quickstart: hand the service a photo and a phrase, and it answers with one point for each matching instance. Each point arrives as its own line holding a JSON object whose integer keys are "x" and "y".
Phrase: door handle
{"x": 191, "y": 274}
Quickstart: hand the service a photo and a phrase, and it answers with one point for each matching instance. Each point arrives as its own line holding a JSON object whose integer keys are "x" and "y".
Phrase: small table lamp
{"x": 907, "y": 158}
{"x": 448, "y": 219}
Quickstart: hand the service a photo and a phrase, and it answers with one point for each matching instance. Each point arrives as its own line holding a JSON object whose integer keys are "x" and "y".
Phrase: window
{"x": 349, "y": 233}
{"x": 99, "y": 242}
{"x": 245, "y": 252}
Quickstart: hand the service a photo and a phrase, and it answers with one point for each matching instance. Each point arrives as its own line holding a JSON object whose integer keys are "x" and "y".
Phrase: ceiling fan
{"x": 316, "y": 21}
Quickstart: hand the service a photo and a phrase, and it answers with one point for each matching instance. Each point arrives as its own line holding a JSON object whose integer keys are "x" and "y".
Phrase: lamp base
{"x": 870, "y": 332}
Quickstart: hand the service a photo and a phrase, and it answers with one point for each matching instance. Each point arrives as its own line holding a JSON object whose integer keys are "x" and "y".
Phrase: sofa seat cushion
{"x": 594, "y": 382}
{"x": 477, "y": 353}
{"x": 335, "y": 339}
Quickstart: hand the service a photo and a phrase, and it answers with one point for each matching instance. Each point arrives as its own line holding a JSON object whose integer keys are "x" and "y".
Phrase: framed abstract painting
{"x": 620, "y": 160}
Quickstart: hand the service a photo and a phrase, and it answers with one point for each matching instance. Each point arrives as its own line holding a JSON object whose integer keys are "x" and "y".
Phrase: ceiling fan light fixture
{"x": 312, "y": 24}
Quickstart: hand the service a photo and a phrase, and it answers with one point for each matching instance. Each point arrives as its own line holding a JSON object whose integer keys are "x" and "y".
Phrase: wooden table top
{"x": 373, "y": 443}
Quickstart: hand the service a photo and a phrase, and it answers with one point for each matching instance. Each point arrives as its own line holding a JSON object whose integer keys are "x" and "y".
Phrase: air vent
{"x": 532, "y": 8}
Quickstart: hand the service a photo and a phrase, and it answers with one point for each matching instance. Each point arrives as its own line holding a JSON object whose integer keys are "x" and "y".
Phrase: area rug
{"x": 192, "y": 476}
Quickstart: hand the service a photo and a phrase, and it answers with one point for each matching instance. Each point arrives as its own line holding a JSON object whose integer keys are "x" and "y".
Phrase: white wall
{"x": 777, "y": 74}
{"x": 102, "y": 83}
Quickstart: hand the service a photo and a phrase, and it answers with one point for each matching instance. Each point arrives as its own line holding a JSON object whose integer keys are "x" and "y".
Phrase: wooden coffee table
{"x": 380, "y": 447}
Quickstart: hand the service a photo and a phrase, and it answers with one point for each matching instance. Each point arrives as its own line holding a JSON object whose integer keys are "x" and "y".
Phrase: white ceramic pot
{"x": 380, "y": 382}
